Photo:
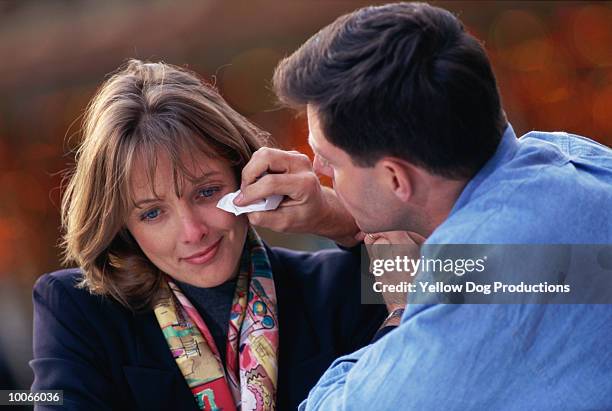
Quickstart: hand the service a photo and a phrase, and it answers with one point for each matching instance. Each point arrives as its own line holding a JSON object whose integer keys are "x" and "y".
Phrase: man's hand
{"x": 307, "y": 207}
{"x": 390, "y": 246}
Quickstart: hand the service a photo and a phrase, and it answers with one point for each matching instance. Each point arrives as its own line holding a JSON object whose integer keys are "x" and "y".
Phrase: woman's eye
{"x": 208, "y": 192}
{"x": 150, "y": 215}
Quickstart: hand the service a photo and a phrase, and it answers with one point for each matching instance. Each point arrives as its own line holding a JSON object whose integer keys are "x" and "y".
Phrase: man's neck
{"x": 439, "y": 201}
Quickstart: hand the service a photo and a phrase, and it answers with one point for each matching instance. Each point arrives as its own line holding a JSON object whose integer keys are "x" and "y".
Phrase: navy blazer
{"x": 105, "y": 357}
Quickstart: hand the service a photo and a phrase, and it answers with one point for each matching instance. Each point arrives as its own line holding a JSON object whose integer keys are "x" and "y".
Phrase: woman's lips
{"x": 204, "y": 256}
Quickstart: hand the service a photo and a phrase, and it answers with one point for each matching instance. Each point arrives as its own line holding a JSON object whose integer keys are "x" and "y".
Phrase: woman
{"x": 178, "y": 304}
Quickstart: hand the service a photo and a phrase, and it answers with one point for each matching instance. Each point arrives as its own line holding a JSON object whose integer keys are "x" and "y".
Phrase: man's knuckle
{"x": 271, "y": 180}
{"x": 282, "y": 224}
{"x": 263, "y": 153}
{"x": 310, "y": 181}
{"x": 255, "y": 218}
{"x": 304, "y": 159}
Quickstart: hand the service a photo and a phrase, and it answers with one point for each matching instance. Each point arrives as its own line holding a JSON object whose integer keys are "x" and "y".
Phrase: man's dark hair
{"x": 404, "y": 80}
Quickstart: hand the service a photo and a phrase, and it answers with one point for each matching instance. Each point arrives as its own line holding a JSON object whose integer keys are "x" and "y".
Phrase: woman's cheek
{"x": 156, "y": 239}
{"x": 224, "y": 220}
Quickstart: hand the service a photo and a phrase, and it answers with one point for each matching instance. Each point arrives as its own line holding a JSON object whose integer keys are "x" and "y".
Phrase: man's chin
{"x": 367, "y": 228}
{"x": 373, "y": 227}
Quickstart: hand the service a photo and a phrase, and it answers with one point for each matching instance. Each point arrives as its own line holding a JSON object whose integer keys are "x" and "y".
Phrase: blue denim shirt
{"x": 544, "y": 188}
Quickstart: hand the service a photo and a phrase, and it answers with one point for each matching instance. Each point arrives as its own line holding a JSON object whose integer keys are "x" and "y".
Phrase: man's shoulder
{"x": 555, "y": 188}
{"x": 573, "y": 145}
{"x": 561, "y": 156}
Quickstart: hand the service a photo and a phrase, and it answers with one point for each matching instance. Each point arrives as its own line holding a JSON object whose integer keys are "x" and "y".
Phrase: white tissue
{"x": 268, "y": 203}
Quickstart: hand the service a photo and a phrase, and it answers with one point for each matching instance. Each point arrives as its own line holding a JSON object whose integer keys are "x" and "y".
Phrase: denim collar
{"x": 505, "y": 151}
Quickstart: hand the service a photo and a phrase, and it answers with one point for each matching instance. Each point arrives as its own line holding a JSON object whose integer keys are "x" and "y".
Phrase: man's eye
{"x": 150, "y": 215}
{"x": 208, "y": 192}
{"x": 324, "y": 162}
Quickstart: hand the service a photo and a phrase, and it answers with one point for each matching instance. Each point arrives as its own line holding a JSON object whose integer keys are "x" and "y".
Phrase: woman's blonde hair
{"x": 142, "y": 110}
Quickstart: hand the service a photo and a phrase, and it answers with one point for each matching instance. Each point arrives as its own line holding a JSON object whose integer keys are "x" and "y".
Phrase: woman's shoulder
{"x": 66, "y": 278}
{"x": 61, "y": 291}
{"x": 330, "y": 274}
{"x": 325, "y": 286}
{"x": 62, "y": 282}
{"x": 303, "y": 265}
{"x": 65, "y": 311}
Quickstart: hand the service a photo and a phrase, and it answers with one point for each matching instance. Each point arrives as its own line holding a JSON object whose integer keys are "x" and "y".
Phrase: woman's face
{"x": 188, "y": 237}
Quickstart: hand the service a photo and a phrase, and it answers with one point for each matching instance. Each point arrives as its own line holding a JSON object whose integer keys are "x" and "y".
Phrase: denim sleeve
{"x": 331, "y": 383}
{"x": 472, "y": 357}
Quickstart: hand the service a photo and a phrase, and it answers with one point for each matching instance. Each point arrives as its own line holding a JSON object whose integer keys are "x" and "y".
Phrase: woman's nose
{"x": 192, "y": 227}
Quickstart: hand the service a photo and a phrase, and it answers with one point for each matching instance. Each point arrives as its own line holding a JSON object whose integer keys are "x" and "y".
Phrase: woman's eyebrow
{"x": 206, "y": 176}
{"x": 141, "y": 203}
{"x": 203, "y": 178}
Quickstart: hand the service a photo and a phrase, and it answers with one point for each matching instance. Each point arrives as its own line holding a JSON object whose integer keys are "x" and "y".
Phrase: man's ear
{"x": 397, "y": 174}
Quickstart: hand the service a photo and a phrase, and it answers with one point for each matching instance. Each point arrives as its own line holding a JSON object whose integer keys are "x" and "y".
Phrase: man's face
{"x": 357, "y": 187}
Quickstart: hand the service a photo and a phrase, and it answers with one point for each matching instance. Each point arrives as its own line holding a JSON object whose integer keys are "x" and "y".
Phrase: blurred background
{"x": 553, "y": 61}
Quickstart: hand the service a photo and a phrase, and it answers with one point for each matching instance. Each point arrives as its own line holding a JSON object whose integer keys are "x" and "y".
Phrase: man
{"x": 405, "y": 117}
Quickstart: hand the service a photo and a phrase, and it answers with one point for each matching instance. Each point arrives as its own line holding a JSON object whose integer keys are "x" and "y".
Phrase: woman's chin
{"x": 206, "y": 279}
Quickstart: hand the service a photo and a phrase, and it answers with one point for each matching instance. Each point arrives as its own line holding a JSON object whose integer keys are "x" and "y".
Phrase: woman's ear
{"x": 398, "y": 175}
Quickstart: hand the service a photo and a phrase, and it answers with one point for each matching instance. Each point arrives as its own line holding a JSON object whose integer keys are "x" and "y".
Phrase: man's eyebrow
{"x": 314, "y": 147}
{"x": 316, "y": 150}
{"x": 311, "y": 143}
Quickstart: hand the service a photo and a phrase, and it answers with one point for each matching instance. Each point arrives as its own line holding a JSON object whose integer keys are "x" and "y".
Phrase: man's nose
{"x": 192, "y": 226}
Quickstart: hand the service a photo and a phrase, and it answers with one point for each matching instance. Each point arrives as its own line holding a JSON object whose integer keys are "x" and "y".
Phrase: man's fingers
{"x": 266, "y": 186}
{"x": 274, "y": 161}
{"x": 360, "y": 236}
{"x": 275, "y": 220}
{"x": 395, "y": 237}
{"x": 294, "y": 186}
{"x": 391, "y": 244}
{"x": 256, "y": 218}
{"x": 264, "y": 160}
{"x": 417, "y": 238}
{"x": 375, "y": 238}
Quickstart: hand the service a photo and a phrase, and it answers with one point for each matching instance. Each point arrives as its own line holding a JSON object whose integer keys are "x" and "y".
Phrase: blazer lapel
{"x": 152, "y": 389}
{"x": 156, "y": 381}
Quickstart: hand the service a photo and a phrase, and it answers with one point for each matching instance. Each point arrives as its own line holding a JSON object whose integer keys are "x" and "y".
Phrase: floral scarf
{"x": 248, "y": 380}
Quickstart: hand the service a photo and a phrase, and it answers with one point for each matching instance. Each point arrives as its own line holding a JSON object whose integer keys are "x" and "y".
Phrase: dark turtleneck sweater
{"x": 214, "y": 305}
